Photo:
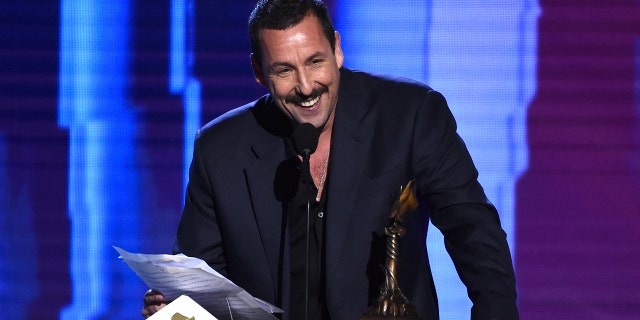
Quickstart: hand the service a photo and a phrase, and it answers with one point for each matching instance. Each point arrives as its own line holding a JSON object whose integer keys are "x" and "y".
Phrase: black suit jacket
{"x": 386, "y": 132}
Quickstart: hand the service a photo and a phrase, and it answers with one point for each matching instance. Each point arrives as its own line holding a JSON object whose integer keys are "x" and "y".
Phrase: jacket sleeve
{"x": 447, "y": 180}
{"x": 198, "y": 233}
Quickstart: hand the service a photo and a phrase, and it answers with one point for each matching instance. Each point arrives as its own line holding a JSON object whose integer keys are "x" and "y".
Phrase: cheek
{"x": 281, "y": 89}
{"x": 326, "y": 76}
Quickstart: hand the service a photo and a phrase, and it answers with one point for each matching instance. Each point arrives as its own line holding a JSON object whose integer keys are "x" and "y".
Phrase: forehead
{"x": 306, "y": 35}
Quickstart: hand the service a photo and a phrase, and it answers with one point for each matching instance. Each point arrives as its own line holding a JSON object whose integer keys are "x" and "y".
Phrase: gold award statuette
{"x": 178, "y": 316}
{"x": 392, "y": 304}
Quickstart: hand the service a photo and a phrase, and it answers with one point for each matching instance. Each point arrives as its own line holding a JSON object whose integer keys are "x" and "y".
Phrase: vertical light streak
{"x": 182, "y": 81}
{"x": 103, "y": 184}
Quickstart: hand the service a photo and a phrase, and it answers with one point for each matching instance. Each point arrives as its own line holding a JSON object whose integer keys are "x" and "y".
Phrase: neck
{"x": 325, "y": 132}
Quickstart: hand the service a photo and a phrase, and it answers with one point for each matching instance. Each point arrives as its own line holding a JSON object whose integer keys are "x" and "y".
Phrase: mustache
{"x": 298, "y": 98}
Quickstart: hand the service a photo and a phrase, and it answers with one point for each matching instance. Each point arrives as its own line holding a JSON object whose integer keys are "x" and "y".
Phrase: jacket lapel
{"x": 351, "y": 139}
{"x": 261, "y": 175}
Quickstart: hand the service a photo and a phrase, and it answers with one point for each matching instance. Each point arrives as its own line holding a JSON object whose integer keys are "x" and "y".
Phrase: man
{"x": 246, "y": 204}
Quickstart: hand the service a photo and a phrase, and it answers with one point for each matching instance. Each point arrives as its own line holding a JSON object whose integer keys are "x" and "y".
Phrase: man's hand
{"x": 153, "y": 302}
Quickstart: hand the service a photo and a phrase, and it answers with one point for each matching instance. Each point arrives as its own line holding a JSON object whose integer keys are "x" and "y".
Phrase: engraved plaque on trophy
{"x": 392, "y": 304}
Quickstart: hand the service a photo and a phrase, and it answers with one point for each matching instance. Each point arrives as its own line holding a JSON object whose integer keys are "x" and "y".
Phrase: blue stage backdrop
{"x": 100, "y": 102}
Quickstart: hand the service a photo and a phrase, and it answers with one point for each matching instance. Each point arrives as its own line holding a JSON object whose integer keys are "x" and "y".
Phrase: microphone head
{"x": 305, "y": 138}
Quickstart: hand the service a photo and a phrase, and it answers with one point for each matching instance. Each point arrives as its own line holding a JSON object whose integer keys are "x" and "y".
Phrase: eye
{"x": 283, "y": 72}
{"x": 316, "y": 63}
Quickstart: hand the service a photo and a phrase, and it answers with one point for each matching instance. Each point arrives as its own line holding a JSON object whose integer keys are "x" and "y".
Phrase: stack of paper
{"x": 176, "y": 275}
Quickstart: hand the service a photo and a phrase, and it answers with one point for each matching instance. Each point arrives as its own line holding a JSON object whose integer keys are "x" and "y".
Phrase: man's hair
{"x": 284, "y": 14}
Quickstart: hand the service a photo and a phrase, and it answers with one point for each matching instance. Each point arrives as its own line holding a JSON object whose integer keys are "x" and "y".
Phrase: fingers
{"x": 153, "y": 297}
{"x": 148, "y": 311}
{"x": 153, "y": 302}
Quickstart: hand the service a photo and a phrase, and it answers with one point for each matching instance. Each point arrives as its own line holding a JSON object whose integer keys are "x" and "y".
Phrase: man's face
{"x": 301, "y": 71}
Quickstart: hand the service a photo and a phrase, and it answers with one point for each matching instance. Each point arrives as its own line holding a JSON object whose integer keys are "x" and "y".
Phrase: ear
{"x": 257, "y": 70}
{"x": 338, "y": 51}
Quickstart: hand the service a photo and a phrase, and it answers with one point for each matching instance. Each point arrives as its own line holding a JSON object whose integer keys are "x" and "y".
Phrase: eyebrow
{"x": 312, "y": 57}
{"x": 316, "y": 55}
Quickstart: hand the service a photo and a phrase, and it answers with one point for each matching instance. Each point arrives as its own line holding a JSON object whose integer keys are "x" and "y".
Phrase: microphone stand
{"x": 305, "y": 140}
{"x": 306, "y": 168}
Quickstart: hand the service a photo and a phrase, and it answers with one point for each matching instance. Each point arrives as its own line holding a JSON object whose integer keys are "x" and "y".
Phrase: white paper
{"x": 176, "y": 275}
{"x": 182, "y": 308}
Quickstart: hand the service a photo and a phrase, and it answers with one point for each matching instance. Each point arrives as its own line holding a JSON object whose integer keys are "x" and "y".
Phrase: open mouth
{"x": 309, "y": 103}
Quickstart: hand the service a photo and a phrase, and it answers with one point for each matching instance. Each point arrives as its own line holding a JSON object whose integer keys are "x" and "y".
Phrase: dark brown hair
{"x": 284, "y": 14}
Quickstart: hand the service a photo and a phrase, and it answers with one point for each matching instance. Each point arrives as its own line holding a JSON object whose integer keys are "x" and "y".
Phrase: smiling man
{"x": 247, "y": 200}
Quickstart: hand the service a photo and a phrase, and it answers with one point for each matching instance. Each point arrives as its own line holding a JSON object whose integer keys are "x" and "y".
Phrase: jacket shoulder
{"x": 230, "y": 122}
{"x": 390, "y": 95}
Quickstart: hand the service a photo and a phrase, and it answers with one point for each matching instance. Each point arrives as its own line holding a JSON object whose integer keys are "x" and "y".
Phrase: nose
{"x": 305, "y": 83}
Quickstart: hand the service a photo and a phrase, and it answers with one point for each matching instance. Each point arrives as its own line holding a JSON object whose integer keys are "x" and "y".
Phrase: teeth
{"x": 310, "y": 103}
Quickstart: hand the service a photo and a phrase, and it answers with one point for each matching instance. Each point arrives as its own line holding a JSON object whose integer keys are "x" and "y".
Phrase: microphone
{"x": 305, "y": 141}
